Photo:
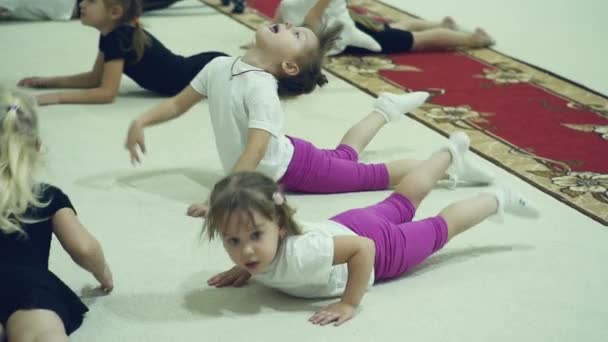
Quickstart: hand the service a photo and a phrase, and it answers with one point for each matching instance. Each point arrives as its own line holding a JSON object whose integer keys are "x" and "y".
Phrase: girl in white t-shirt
{"x": 347, "y": 254}
{"x": 247, "y": 117}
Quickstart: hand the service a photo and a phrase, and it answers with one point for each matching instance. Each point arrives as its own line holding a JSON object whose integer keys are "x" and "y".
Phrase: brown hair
{"x": 245, "y": 192}
{"x": 132, "y": 10}
{"x": 310, "y": 75}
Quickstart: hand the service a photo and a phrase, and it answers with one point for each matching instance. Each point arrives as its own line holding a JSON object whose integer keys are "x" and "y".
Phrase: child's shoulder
{"x": 52, "y": 199}
{"x": 52, "y": 194}
{"x": 48, "y": 188}
{"x": 121, "y": 36}
{"x": 309, "y": 239}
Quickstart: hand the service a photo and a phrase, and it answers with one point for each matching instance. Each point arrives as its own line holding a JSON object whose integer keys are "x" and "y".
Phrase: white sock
{"x": 471, "y": 174}
{"x": 394, "y": 106}
{"x": 458, "y": 147}
{"x": 462, "y": 169}
{"x": 351, "y": 35}
{"x": 294, "y": 11}
{"x": 512, "y": 202}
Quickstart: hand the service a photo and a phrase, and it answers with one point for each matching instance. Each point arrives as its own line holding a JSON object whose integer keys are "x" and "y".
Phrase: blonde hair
{"x": 132, "y": 10}
{"x": 245, "y": 192}
{"x": 19, "y": 159}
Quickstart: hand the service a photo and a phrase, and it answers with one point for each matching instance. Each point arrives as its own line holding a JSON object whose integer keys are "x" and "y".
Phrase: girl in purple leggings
{"x": 341, "y": 257}
{"x": 244, "y": 96}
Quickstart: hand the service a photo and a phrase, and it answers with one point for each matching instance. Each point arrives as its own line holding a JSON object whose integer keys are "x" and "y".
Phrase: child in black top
{"x": 123, "y": 47}
{"x": 34, "y": 303}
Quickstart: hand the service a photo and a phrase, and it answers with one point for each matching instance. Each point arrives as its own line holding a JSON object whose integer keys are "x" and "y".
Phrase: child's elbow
{"x": 85, "y": 251}
{"x": 107, "y": 97}
{"x": 368, "y": 246}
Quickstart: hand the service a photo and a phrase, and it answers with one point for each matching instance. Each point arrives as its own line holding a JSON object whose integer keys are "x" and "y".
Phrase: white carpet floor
{"x": 520, "y": 280}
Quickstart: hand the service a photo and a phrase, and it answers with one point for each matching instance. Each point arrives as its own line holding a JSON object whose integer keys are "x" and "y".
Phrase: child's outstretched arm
{"x": 165, "y": 111}
{"x": 84, "y": 249}
{"x": 358, "y": 253}
{"x": 257, "y": 143}
{"x": 314, "y": 17}
{"x": 103, "y": 91}
{"x": 87, "y": 79}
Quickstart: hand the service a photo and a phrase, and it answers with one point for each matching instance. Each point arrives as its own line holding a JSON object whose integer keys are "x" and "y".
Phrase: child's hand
{"x": 34, "y": 82}
{"x": 235, "y": 276}
{"x": 198, "y": 210}
{"x": 135, "y": 138}
{"x": 106, "y": 280}
{"x": 338, "y": 312}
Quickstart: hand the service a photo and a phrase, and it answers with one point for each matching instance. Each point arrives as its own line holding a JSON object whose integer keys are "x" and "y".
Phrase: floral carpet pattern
{"x": 548, "y": 131}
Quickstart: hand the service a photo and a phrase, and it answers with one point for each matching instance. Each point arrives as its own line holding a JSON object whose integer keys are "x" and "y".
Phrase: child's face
{"x": 95, "y": 13}
{"x": 285, "y": 42}
{"x": 251, "y": 245}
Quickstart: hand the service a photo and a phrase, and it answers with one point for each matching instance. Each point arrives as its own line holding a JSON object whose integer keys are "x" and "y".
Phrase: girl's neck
{"x": 107, "y": 28}
{"x": 255, "y": 57}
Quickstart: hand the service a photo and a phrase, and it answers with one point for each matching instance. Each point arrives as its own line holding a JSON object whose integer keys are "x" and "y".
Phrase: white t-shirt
{"x": 39, "y": 9}
{"x": 240, "y": 102}
{"x": 294, "y": 11}
{"x": 303, "y": 266}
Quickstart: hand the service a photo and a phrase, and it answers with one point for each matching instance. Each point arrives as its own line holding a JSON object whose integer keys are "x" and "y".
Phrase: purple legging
{"x": 313, "y": 170}
{"x": 400, "y": 243}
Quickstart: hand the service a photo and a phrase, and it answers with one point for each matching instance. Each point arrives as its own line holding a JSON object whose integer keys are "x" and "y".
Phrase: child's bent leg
{"x": 313, "y": 170}
{"x": 465, "y": 214}
{"x": 387, "y": 108}
{"x": 35, "y": 325}
{"x": 445, "y": 39}
{"x": 407, "y": 245}
{"x": 380, "y": 222}
{"x": 360, "y": 134}
{"x": 420, "y": 180}
{"x": 399, "y": 168}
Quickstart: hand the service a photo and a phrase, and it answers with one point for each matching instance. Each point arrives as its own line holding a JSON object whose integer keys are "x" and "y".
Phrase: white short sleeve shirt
{"x": 243, "y": 101}
{"x": 303, "y": 266}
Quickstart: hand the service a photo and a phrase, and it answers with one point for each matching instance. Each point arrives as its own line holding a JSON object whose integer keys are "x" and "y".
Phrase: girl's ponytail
{"x": 19, "y": 158}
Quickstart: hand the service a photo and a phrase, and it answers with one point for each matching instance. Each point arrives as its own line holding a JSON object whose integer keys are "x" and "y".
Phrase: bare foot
{"x": 449, "y": 23}
{"x": 482, "y": 39}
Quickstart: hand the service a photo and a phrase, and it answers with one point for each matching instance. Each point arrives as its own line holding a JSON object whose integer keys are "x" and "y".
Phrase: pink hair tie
{"x": 278, "y": 198}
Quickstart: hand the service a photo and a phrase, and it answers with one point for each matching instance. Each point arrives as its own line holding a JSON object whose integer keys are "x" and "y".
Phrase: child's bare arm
{"x": 89, "y": 79}
{"x": 165, "y": 111}
{"x": 358, "y": 253}
{"x": 104, "y": 92}
{"x": 84, "y": 249}
{"x": 257, "y": 143}
{"x": 314, "y": 17}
